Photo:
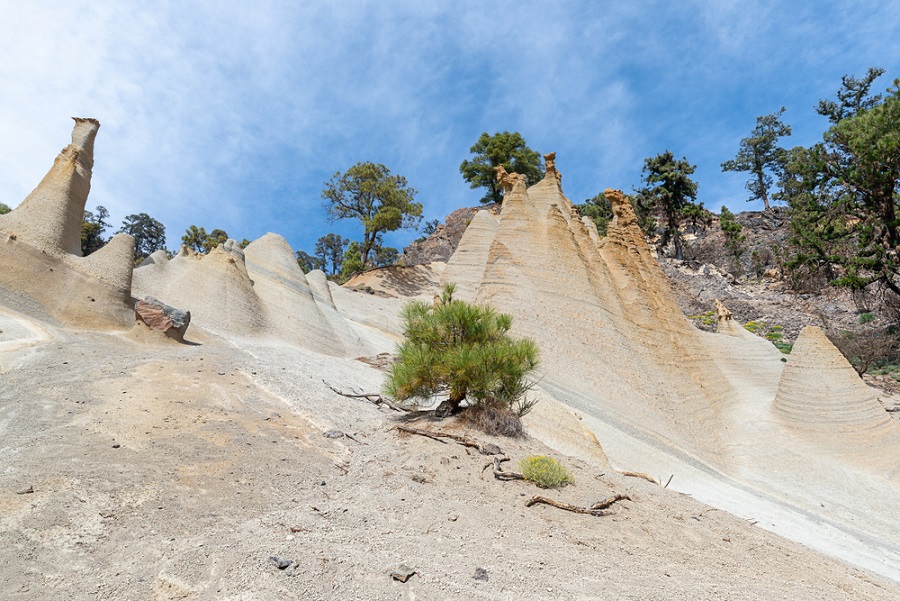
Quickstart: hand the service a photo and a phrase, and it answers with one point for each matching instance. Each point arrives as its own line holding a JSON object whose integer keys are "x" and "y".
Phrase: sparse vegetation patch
{"x": 545, "y": 471}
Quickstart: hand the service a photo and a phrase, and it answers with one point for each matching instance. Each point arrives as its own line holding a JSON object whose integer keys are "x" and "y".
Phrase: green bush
{"x": 754, "y": 326}
{"x": 463, "y": 351}
{"x": 784, "y": 347}
{"x": 866, "y": 318}
{"x": 709, "y": 318}
{"x": 545, "y": 471}
{"x": 774, "y": 334}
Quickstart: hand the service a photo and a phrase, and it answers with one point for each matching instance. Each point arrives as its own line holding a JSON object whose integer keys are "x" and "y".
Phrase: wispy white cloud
{"x": 226, "y": 115}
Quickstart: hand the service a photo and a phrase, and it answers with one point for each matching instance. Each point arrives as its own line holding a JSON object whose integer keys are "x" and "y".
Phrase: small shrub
{"x": 867, "y": 348}
{"x": 774, "y": 334}
{"x": 734, "y": 239}
{"x": 866, "y": 318}
{"x": 708, "y": 319}
{"x": 545, "y": 471}
{"x": 784, "y": 347}
{"x": 754, "y": 326}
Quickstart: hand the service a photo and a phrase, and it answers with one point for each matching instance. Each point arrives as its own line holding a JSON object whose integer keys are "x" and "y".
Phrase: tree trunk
{"x": 367, "y": 248}
{"x": 456, "y": 397}
{"x": 762, "y": 190}
{"x": 451, "y": 405}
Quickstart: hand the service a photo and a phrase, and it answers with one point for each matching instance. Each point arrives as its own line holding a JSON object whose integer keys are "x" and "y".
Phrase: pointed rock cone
{"x": 821, "y": 393}
{"x": 50, "y": 217}
{"x": 114, "y": 263}
{"x": 466, "y": 267}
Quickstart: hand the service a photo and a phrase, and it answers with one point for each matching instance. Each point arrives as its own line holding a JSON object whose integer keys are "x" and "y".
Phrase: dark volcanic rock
{"x": 441, "y": 245}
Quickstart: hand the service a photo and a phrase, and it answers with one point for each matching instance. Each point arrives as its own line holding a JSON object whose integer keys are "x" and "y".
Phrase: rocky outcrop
{"x": 50, "y": 217}
{"x": 290, "y": 307}
{"x": 215, "y": 288}
{"x": 465, "y": 268}
{"x": 399, "y": 280}
{"x": 256, "y": 292}
{"x": 821, "y": 394}
{"x": 159, "y": 316}
{"x": 588, "y": 302}
{"x": 41, "y": 268}
{"x": 442, "y": 243}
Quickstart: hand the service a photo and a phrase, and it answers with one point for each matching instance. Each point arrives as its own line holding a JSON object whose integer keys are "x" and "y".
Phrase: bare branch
{"x": 574, "y": 508}
{"x": 606, "y": 503}
{"x": 372, "y": 397}
{"x": 484, "y": 449}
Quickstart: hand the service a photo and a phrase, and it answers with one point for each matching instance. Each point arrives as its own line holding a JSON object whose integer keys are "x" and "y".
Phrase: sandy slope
{"x": 222, "y": 462}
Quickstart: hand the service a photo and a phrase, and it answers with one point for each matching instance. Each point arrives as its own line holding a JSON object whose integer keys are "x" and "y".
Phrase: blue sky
{"x": 233, "y": 115}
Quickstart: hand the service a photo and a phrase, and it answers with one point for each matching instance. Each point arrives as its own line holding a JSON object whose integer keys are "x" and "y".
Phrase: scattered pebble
{"x": 402, "y": 573}
{"x": 25, "y": 491}
{"x": 481, "y": 574}
{"x": 116, "y": 446}
{"x": 334, "y": 433}
{"x": 491, "y": 449}
{"x": 280, "y": 562}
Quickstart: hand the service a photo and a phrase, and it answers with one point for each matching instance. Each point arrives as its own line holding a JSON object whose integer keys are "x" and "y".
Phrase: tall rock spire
{"x": 50, "y": 217}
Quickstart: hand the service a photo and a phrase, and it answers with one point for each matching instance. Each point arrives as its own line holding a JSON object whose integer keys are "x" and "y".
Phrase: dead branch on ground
{"x": 496, "y": 463}
{"x": 372, "y": 397}
{"x": 351, "y": 437}
{"x": 606, "y": 503}
{"x": 484, "y": 449}
{"x": 597, "y": 509}
{"x": 499, "y": 474}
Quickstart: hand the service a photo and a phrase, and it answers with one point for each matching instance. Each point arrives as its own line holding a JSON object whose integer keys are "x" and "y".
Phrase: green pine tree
{"x": 464, "y": 351}
{"x": 734, "y": 239}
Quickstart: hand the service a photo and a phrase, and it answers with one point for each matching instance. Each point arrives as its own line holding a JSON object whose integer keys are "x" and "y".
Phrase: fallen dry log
{"x": 597, "y": 509}
{"x": 508, "y": 475}
{"x": 484, "y": 449}
{"x": 372, "y": 397}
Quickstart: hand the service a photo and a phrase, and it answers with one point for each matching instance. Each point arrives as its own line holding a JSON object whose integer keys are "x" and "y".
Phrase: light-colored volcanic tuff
{"x": 658, "y": 392}
{"x": 41, "y": 267}
{"x": 822, "y": 399}
{"x": 602, "y": 313}
{"x": 173, "y": 471}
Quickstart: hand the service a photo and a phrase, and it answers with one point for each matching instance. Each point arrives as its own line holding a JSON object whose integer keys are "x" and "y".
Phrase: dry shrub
{"x": 807, "y": 279}
{"x": 865, "y": 348}
{"x": 495, "y": 420}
